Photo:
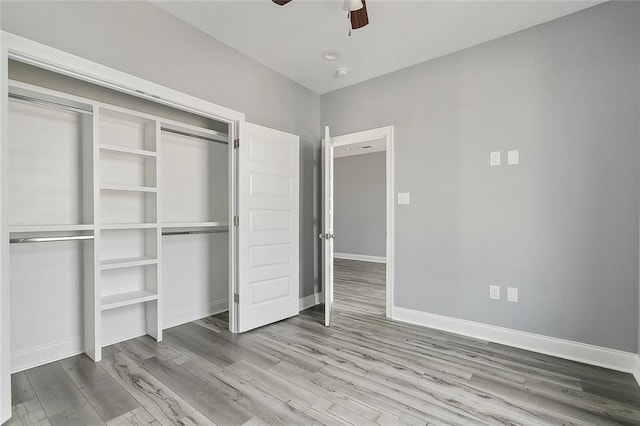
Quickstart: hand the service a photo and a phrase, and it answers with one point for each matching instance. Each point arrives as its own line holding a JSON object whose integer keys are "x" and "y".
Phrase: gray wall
{"x": 359, "y": 204}
{"x": 140, "y": 39}
{"x": 563, "y": 225}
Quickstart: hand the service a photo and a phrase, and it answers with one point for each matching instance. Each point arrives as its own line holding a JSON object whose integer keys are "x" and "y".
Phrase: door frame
{"x": 387, "y": 133}
{"x": 42, "y": 56}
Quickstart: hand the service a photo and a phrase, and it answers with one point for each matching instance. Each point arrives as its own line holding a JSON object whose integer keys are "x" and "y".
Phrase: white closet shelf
{"x": 50, "y": 228}
{"x": 111, "y": 226}
{"x": 126, "y": 150}
{"x": 125, "y": 299}
{"x": 127, "y": 263}
{"x": 194, "y": 224}
{"x": 129, "y": 188}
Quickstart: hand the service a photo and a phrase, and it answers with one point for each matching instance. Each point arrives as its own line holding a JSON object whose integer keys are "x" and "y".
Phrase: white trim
{"x": 636, "y": 372}
{"x": 575, "y": 351}
{"x": 40, "y": 355}
{"x": 367, "y": 135}
{"x": 310, "y": 301}
{"x": 42, "y": 56}
{"x": 5, "y": 329}
{"x": 183, "y": 316}
{"x": 361, "y": 257}
{"x": 44, "y": 354}
{"x": 49, "y": 58}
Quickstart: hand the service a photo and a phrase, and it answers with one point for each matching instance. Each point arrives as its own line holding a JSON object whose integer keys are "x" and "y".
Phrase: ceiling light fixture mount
{"x": 330, "y": 56}
{"x": 342, "y": 72}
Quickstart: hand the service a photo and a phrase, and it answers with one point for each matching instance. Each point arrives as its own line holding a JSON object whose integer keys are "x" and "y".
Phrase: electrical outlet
{"x": 512, "y": 294}
{"x": 494, "y": 292}
{"x": 513, "y": 158}
{"x": 494, "y": 158}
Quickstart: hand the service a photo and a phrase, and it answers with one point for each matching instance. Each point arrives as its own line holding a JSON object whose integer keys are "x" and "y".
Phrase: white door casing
{"x": 365, "y": 136}
{"x": 327, "y": 235}
{"x": 268, "y": 226}
{"x": 42, "y": 56}
{"x": 5, "y": 329}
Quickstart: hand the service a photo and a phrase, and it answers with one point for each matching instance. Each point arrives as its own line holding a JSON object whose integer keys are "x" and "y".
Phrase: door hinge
{"x": 236, "y": 143}
{"x": 236, "y": 221}
{"x": 236, "y": 298}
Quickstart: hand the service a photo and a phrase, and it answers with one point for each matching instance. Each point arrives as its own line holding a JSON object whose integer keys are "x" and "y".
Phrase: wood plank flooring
{"x": 364, "y": 370}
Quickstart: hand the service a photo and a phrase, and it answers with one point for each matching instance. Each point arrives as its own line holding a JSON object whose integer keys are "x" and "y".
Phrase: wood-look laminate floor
{"x": 364, "y": 370}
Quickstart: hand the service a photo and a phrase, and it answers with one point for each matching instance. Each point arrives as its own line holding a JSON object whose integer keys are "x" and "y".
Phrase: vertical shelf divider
{"x": 91, "y": 211}
{"x": 154, "y": 308}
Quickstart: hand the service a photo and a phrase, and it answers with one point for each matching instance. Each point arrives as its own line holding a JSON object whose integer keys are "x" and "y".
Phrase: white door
{"x": 327, "y": 225}
{"x": 268, "y": 222}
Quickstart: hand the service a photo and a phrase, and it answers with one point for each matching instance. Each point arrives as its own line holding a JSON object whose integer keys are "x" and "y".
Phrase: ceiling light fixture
{"x": 353, "y": 5}
{"x": 330, "y": 56}
{"x": 356, "y": 12}
{"x": 342, "y": 72}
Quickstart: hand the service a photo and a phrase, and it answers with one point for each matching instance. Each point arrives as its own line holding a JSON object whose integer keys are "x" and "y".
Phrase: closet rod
{"x": 206, "y": 231}
{"x": 49, "y": 104}
{"x": 50, "y": 239}
{"x": 180, "y": 132}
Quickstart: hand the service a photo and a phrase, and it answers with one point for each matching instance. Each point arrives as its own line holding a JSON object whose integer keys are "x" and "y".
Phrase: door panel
{"x": 327, "y": 225}
{"x": 268, "y": 211}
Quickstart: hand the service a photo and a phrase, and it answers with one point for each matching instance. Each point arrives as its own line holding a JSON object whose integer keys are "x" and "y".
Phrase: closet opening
{"x": 118, "y": 212}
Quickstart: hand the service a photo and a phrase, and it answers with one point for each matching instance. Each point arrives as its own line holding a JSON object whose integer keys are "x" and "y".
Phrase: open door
{"x": 327, "y": 225}
{"x": 268, "y": 226}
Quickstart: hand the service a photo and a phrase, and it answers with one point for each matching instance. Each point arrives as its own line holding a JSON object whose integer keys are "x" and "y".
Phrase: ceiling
{"x": 291, "y": 39}
{"x": 358, "y": 148}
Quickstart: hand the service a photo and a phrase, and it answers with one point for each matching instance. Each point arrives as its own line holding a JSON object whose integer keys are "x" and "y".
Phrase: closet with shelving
{"x": 118, "y": 222}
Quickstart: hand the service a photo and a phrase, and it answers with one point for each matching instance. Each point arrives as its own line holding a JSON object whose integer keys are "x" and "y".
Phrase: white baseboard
{"x": 40, "y": 355}
{"x": 309, "y": 301}
{"x": 184, "y": 316}
{"x": 575, "y": 351}
{"x": 361, "y": 257}
{"x": 33, "y": 357}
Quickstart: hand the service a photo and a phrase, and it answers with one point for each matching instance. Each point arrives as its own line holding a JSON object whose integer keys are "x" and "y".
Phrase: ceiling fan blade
{"x": 281, "y": 2}
{"x": 359, "y": 18}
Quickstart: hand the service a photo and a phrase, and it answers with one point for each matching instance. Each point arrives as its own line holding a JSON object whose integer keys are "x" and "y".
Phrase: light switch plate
{"x": 513, "y": 158}
{"x": 494, "y": 158}
{"x": 512, "y": 294}
{"x": 494, "y": 292}
{"x": 403, "y": 198}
